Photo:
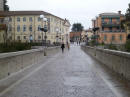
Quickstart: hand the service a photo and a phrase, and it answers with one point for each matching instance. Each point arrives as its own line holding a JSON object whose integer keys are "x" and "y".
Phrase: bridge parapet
{"x": 116, "y": 60}
{"x": 10, "y": 63}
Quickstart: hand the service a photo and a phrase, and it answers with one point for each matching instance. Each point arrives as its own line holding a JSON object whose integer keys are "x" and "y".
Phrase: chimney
{"x": 119, "y": 12}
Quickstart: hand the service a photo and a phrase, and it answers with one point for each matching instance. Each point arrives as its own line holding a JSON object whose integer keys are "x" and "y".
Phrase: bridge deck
{"x": 71, "y": 74}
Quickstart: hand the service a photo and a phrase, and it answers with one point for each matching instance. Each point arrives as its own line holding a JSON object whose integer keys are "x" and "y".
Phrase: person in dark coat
{"x": 62, "y": 47}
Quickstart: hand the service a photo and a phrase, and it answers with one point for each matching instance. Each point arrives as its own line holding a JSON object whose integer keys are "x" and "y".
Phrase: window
{"x": 18, "y": 28}
{"x": 110, "y": 29}
{"x": 24, "y": 19}
{"x": 24, "y": 37}
{"x": 51, "y": 19}
{"x": 113, "y": 37}
{"x": 30, "y": 19}
{"x": 39, "y": 37}
{"x": 24, "y": 28}
{"x": 39, "y": 19}
{"x": 18, "y": 19}
{"x": 110, "y": 20}
{"x": 102, "y": 28}
{"x": 10, "y": 28}
{"x": 18, "y": 37}
{"x": 105, "y": 37}
{"x": 10, "y": 19}
{"x": 10, "y": 38}
{"x": 39, "y": 28}
{"x": 118, "y": 20}
{"x": 103, "y": 20}
{"x": 30, "y": 28}
{"x": 120, "y": 37}
{"x": 48, "y": 19}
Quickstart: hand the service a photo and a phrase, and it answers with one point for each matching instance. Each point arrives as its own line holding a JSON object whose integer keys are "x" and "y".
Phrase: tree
{"x": 77, "y": 27}
{"x": 6, "y": 7}
{"x": 127, "y": 45}
{"x": 128, "y": 13}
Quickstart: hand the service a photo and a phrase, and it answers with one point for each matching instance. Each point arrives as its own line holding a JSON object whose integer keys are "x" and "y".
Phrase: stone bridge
{"x": 74, "y": 73}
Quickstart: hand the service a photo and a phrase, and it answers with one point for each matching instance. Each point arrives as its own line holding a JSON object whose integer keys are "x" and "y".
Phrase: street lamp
{"x": 96, "y": 35}
{"x": 44, "y": 29}
{"x": 57, "y": 30}
{"x": 42, "y": 19}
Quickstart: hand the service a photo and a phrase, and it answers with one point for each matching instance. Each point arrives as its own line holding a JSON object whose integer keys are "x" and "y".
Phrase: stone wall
{"x": 13, "y": 62}
{"x": 116, "y": 60}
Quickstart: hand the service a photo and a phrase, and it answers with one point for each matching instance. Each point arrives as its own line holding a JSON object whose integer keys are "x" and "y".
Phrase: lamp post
{"x": 44, "y": 29}
{"x": 57, "y": 30}
{"x": 96, "y": 35}
{"x": 42, "y": 19}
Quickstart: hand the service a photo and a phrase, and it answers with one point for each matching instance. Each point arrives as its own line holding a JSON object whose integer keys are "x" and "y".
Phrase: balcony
{"x": 114, "y": 31}
{"x": 110, "y": 24}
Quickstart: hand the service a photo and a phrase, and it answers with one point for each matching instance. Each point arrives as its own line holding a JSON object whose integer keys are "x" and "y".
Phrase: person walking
{"x": 62, "y": 47}
{"x": 68, "y": 46}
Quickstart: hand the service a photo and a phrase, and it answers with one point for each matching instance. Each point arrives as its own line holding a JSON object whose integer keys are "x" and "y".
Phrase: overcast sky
{"x": 82, "y": 11}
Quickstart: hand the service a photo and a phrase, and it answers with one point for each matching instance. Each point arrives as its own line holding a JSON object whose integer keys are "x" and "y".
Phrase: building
{"x": 75, "y": 36}
{"x": 2, "y": 30}
{"x": 78, "y": 36}
{"x": 110, "y": 31}
{"x": 89, "y": 34}
{"x": 25, "y": 26}
{"x": 66, "y": 37}
{"x": 1, "y": 5}
{"x": 83, "y": 36}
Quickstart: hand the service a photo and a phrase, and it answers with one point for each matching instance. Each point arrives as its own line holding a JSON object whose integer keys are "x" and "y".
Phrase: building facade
{"x": 109, "y": 25}
{"x": 75, "y": 36}
{"x": 25, "y": 26}
{"x": 78, "y": 36}
{"x": 89, "y": 34}
{"x": 2, "y": 30}
{"x": 1, "y": 5}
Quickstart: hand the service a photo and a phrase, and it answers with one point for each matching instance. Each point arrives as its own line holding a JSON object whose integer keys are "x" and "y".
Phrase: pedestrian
{"x": 68, "y": 46}
{"x": 62, "y": 47}
{"x": 79, "y": 42}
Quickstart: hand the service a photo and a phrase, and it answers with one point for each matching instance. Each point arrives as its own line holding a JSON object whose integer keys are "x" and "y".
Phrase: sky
{"x": 76, "y": 11}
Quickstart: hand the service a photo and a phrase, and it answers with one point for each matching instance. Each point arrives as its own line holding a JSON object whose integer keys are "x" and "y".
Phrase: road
{"x": 71, "y": 74}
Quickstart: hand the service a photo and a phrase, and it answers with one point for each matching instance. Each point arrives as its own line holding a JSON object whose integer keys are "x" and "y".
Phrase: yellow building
{"x": 25, "y": 26}
{"x": 2, "y": 30}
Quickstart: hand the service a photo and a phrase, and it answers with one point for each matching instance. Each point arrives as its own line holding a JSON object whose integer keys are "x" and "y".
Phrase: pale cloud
{"x": 75, "y": 10}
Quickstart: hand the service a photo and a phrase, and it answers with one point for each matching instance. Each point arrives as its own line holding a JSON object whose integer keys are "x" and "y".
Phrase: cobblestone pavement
{"x": 71, "y": 74}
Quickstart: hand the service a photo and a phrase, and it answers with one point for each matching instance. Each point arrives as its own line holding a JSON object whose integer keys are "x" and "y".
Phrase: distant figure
{"x": 68, "y": 46}
{"x": 62, "y": 47}
{"x": 79, "y": 42}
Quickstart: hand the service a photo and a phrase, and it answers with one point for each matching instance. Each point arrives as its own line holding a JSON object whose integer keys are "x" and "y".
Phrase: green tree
{"x": 77, "y": 27}
{"x": 6, "y": 7}
{"x": 127, "y": 45}
{"x": 128, "y": 13}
